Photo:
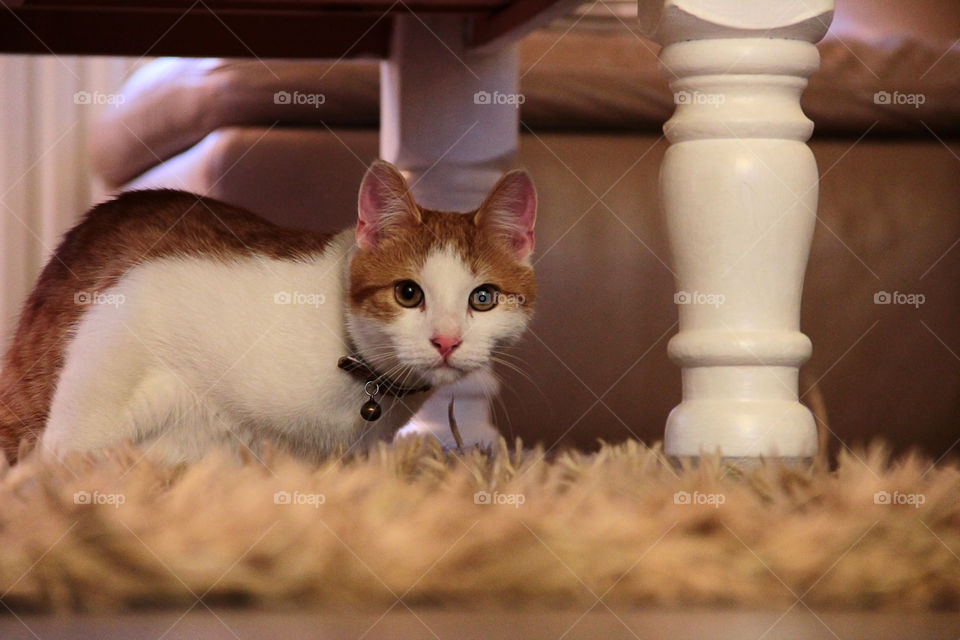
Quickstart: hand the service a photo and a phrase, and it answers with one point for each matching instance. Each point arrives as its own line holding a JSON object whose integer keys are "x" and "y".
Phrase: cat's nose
{"x": 445, "y": 344}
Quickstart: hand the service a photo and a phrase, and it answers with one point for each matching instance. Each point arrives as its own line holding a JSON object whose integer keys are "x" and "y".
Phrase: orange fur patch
{"x": 401, "y": 255}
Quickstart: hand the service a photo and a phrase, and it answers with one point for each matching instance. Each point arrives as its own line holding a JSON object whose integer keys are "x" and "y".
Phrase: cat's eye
{"x": 408, "y": 294}
{"x": 483, "y": 298}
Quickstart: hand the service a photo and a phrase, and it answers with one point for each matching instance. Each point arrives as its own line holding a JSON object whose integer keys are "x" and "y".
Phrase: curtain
{"x": 47, "y": 104}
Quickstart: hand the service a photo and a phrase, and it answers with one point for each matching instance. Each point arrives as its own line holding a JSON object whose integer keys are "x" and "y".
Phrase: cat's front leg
{"x": 471, "y": 405}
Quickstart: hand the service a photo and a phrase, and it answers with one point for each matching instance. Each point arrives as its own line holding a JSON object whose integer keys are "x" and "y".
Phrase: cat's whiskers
{"x": 377, "y": 350}
{"x": 405, "y": 371}
{"x": 500, "y": 359}
{"x": 494, "y": 398}
{"x": 500, "y": 352}
{"x": 523, "y": 374}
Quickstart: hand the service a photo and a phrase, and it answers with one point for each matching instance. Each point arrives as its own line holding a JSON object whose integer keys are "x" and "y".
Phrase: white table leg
{"x": 739, "y": 190}
{"x": 448, "y": 121}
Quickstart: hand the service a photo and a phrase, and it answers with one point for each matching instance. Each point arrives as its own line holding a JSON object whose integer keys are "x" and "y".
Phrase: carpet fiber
{"x": 406, "y": 521}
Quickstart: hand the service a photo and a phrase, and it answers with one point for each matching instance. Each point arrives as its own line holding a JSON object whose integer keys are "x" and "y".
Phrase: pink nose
{"x": 445, "y": 344}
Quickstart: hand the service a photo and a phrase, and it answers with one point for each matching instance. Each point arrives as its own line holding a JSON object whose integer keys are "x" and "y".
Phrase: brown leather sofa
{"x": 596, "y": 357}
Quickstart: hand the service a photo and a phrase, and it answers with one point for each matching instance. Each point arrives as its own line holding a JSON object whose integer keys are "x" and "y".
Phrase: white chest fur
{"x": 186, "y": 353}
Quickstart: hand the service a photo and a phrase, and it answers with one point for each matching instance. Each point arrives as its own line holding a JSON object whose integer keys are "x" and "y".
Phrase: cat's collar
{"x": 362, "y": 370}
{"x": 375, "y": 383}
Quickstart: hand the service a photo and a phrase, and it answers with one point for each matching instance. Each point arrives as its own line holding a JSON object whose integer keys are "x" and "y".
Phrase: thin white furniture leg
{"x": 448, "y": 120}
{"x": 739, "y": 189}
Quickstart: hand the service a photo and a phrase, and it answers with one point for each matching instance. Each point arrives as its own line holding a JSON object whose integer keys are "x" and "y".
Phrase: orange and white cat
{"x": 182, "y": 323}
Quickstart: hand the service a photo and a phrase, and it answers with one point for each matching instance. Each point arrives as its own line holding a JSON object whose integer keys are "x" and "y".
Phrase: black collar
{"x": 359, "y": 368}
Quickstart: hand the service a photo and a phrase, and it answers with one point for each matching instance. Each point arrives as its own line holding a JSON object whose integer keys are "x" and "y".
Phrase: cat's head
{"x": 432, "y": 293}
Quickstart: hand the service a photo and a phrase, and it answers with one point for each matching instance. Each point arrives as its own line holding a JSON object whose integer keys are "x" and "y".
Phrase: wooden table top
{"x": 237, "y": 28}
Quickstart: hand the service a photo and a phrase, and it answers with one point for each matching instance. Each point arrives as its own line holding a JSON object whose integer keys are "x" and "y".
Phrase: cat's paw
{"x": 473, "y": 433}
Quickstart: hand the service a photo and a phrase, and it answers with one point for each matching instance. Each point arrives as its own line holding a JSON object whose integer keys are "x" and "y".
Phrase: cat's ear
{"x": 510, "y": 212}
{"x": 384, "y": 202}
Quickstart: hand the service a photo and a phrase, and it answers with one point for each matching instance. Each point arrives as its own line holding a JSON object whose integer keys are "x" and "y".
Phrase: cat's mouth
{"x": 444, "y": 373}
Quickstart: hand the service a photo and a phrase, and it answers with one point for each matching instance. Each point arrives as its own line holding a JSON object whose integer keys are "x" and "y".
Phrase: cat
{"x": 181, "y": 323}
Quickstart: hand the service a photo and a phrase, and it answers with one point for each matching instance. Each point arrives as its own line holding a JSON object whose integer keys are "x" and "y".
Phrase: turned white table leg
{"x": 448, "y": 120}
{"x": 739, "y": 190}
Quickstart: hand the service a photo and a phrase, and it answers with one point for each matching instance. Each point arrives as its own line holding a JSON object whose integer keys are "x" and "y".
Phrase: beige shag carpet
{"x": 405, "y": 521}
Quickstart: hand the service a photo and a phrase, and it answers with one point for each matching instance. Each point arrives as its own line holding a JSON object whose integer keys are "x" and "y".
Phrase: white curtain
{"x": 45, "y": 181}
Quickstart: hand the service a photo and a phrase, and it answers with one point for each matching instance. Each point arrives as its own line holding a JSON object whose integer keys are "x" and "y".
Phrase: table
{"x": 243, "y": 28}
{"x": 738, "y": 186}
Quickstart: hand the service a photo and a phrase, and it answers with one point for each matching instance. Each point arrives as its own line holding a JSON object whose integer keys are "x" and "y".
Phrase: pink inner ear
{"x": 366, "y": 235}
{"x": 368, "y": 207}
{"x": 511, "y": 211}
{"x": 383, "y": 200}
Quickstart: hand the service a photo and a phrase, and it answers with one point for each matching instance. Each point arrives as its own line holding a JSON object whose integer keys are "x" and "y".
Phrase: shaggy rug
{"x": 412, "y": 523}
